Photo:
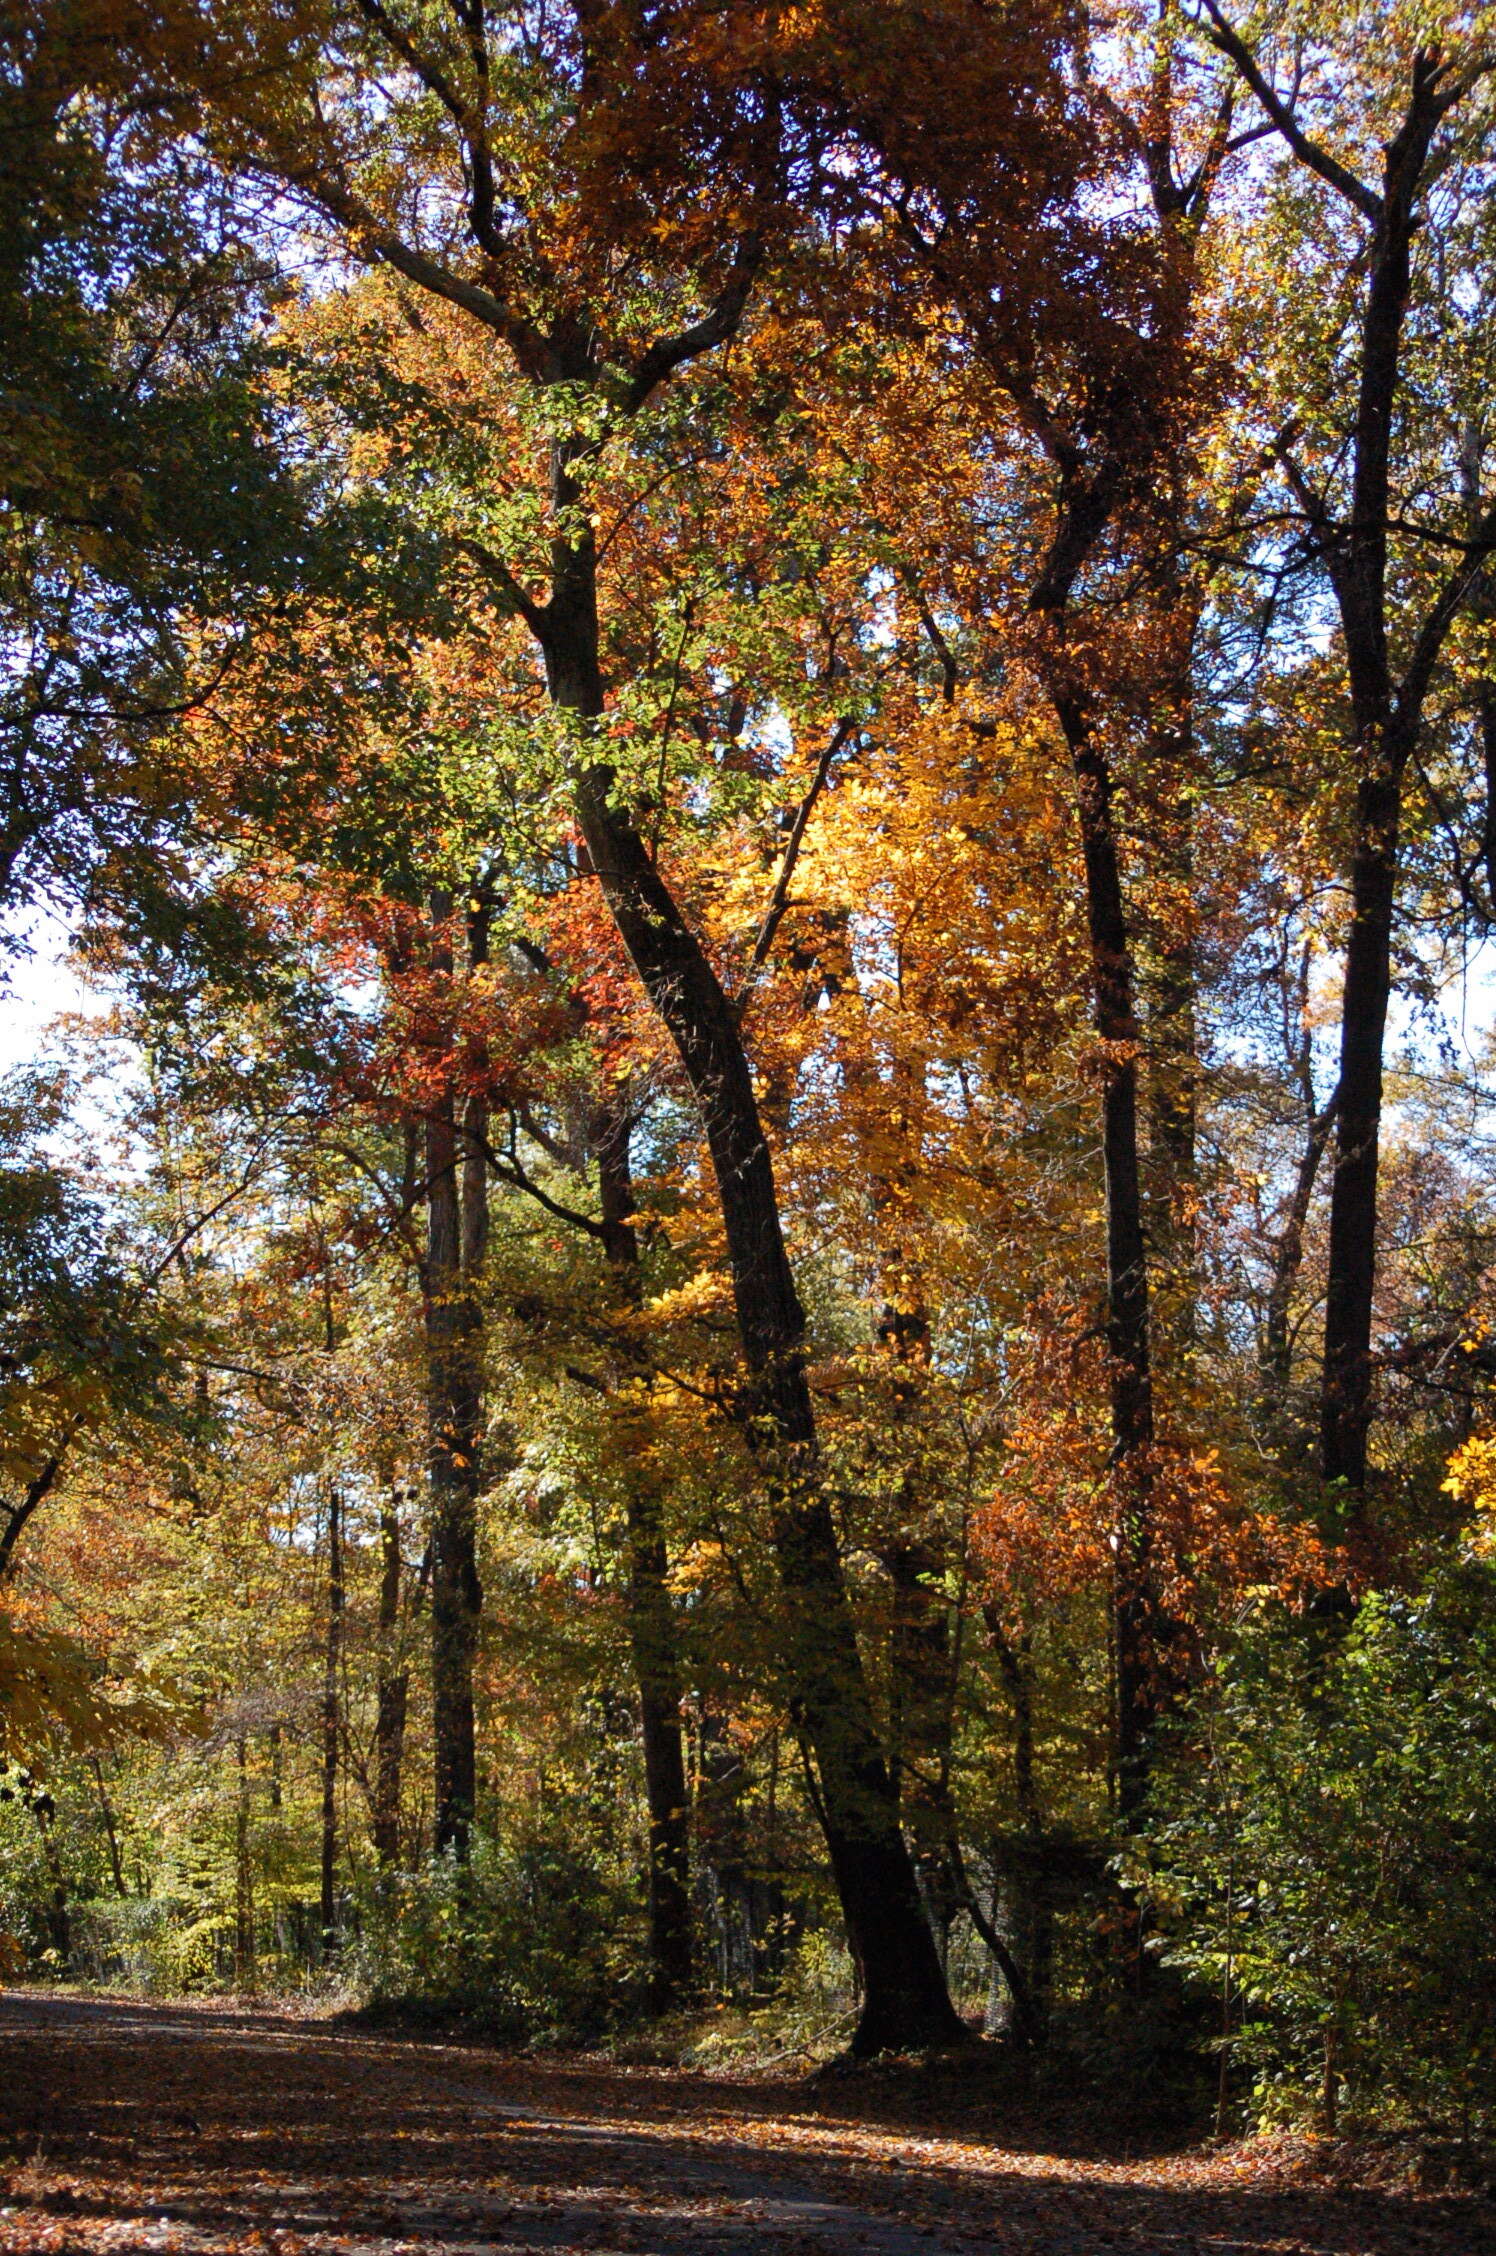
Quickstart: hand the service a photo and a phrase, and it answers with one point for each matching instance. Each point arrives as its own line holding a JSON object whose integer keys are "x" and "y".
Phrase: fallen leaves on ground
{"x": 209, "y": 2131}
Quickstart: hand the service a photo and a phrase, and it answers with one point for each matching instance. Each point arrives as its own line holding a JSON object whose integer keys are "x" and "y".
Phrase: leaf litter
{"x": 216, "y": 2131}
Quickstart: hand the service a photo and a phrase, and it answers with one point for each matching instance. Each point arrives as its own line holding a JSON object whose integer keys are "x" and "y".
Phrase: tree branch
{"x": 714, "y": 328}
{"x": 780, "y": 899}
{"x": 508, "y": 1170}
{"x": 949, "y": 672}
{"x": 197, "y": 1226}
{"x": 1230, "y": 43}
{"x": 535, "y": 615}
{"x": 1023, "y": 2004}
{"x": 35, "y": 1494}
{"x": 380, "y": 244}
{"x": 1430, "y": 640}
{"x": 430, "y": 74}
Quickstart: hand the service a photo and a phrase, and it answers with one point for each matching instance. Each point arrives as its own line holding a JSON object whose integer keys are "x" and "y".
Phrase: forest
{"x": 748, "y": 1143}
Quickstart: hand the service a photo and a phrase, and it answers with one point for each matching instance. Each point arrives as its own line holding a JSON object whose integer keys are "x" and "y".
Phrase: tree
{"x": 593, "y": 364}
{"x": 1399, "y": 581}
{"x": 143, "y": 486}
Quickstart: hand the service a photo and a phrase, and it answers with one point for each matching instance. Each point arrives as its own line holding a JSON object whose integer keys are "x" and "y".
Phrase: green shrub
{"x": 1326, "y": 1860}
{"x": 525, "y": 1943}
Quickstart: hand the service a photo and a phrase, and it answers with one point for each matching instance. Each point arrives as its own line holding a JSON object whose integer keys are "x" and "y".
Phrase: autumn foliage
{"x": 778, "y": 1193}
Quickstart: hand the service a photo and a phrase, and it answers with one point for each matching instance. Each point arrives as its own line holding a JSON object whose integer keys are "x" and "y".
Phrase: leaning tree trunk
{"x": 652, "y": 1630}
{"x": 905, "y": 2001}
{"x": 111, "y": 1826}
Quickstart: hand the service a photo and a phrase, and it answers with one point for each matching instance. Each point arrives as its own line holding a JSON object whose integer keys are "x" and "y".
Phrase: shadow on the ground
{"x": 236, "y": 2124}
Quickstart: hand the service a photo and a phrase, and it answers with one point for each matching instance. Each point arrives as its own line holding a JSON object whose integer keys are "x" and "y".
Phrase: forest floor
{"x": 202, "y": 2128}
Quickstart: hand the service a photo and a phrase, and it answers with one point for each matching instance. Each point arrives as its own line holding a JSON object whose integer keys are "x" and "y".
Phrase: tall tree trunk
{"x": 1091, "y": 482}
{"x": 1346, "y": 1408}
{"x": 111, "y": 1829}
{"x": 1288, "y": 1256}
{"x": 922, "y": 1668}
{"x": 905, "y": 1998}
{"x": 454, "y": 1422}
{"x": 1486, "y": 716}
{"x": 722, "y": 1834}
{"x": 923, "y": 1651}
{"x": 1023, "y": 1874}
{"x": 1173, "y": 1032}
{"x": 392, "y": 1691}
{"x": 1172, "y": 1138}
{"x": 1275, "y": 1355}
{"x": 1356, "y": 557}
{"x": 331, "y": 1713}
{"x": 652, "y": 1631}
{"x": 59, "y": 1915}
{"x": 924, "y": 1639}
{"x": 475, "y": 1126}
{"x": 244, "y": 1879}
{"x": 1482, "y": 609}
{"x": 1387, "y": 715}
{"x": 1143, "y": 1638}
{"x": 1386, "y": 711}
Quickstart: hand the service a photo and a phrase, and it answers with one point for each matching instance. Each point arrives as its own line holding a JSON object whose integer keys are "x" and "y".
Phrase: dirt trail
{"x": 201, "y": 2129}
